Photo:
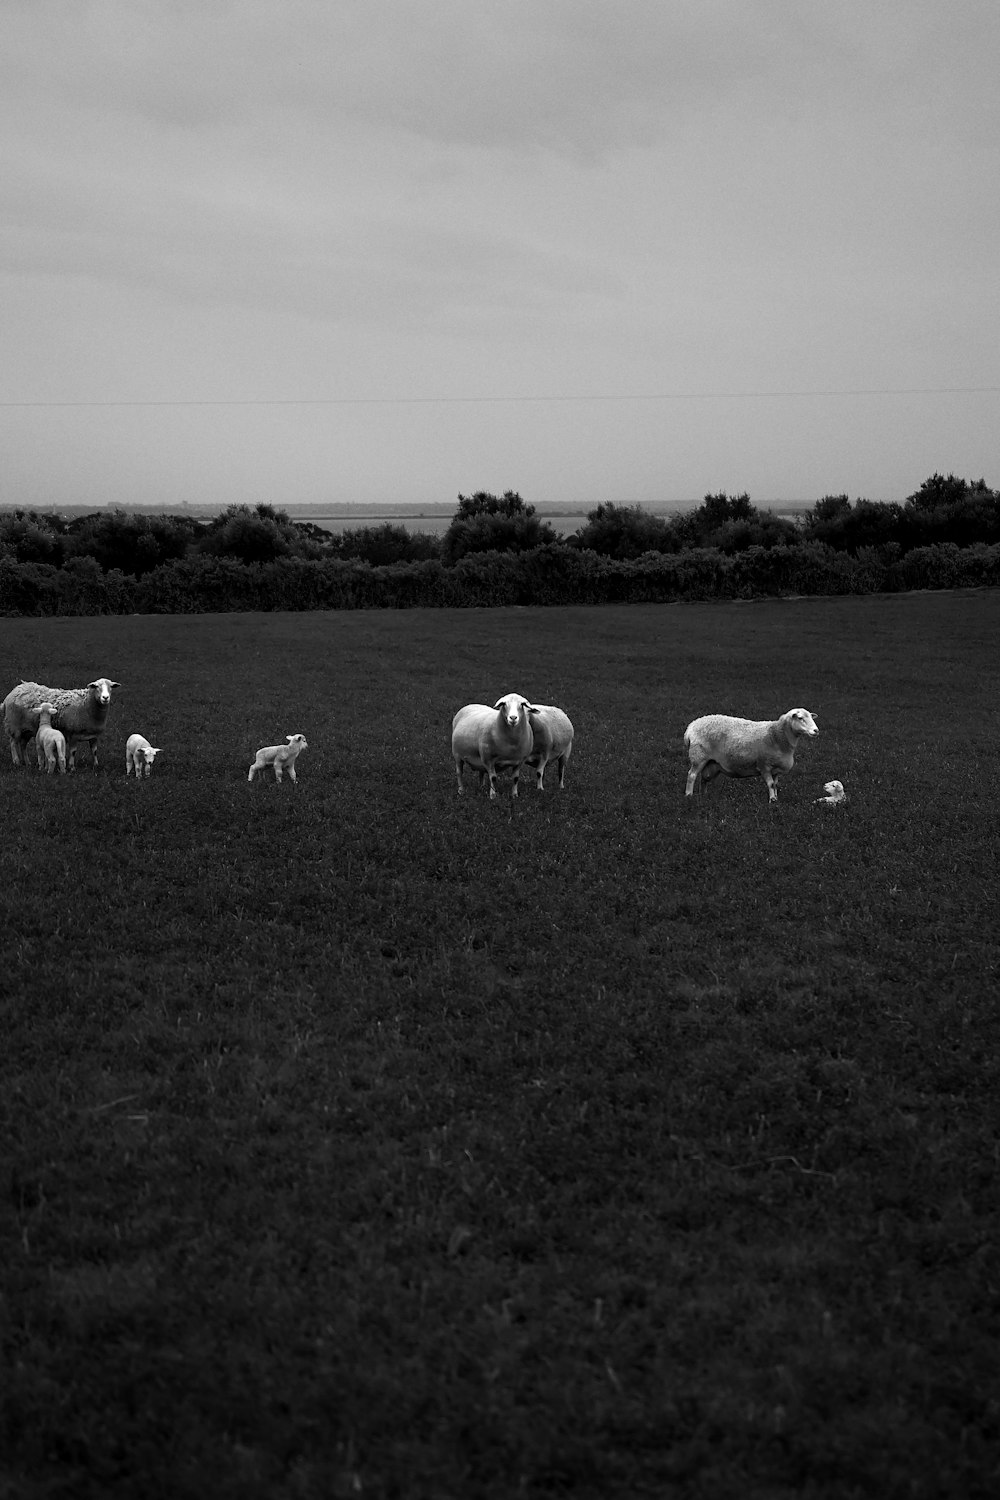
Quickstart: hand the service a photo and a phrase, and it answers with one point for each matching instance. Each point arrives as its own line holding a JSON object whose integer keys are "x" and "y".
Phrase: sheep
{"x": 745, "y": 747}
{"x": 50, "y": 744}
{"x": 552, "y": 739}
{"x": 80, "y": 713}
{"x": 139, "y": 753}
{"x": 281, "y": 757}
{"x": 834, "y": 793}
{"x": 492, "y": 739}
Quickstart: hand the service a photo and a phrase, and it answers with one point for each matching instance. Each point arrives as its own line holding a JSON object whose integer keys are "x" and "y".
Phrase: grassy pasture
{"x": 362, "y": 1139}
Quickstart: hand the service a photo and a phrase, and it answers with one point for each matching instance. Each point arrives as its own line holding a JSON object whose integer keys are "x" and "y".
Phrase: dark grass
{"x": 365, "y": 1140}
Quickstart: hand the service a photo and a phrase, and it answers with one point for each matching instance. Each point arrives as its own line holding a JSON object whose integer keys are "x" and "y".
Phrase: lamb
{"x": 492, "y": 739}
{"x": 834, "y": 793}
{"x": 281, "y": 757}
{"x": 79, "y": 713}
{"x": 745, "y": 747}
{"x": 50, "y": 743}
{"x": 552, "y": 739}
{"x": 139, "y": 753}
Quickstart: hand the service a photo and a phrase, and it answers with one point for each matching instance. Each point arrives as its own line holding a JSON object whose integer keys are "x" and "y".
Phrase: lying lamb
{"x": 80, "y": 713}
{"x": 50, "y": 744}
{"x": 281, "y": 757}
{"x": 745, "y": 747}
{"x": 139, "y": 753}
{"x": 493, "y": 739}
{"x": 834, "y": 793}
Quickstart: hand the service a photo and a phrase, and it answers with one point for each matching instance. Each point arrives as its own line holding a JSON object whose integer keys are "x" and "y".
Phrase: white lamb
{"x": 493, "y": 739}
{"x": 834, "y": 793}
{"x": 281, "y": 757}
{"x": 80, "y": 713}
{"x": 552, "y": 739}
{"x": 139, "y": 754}
{"x": 50, "y": 744}
{"x": 745, "y": 747}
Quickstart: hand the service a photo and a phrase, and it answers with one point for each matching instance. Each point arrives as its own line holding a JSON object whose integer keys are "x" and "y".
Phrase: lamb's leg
{"x": 692, "y": 780}
{"x": 291, "y": 772}
{"x": 277, "y": 771}
{"x": 772, "y": 785}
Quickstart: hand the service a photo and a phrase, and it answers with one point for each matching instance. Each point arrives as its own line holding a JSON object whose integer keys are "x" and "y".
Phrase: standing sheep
{"x": 80, "y": 713}
{"x": 281, "y": 757}
{"x": 492, "y": 739}
{"x": 50, "y": 744}
{"x": 552, "y": 739}
{"x": 139, "y": 753}
{"x": 745, "y": 747}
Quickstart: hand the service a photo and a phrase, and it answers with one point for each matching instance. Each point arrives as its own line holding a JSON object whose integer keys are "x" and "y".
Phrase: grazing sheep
{"x": 281, "y": 757}
{"x": 139, "y": 753}
{"x": 552, "y": 739}
{"x": 492, "y": 739}
{"x": 80, "y": 713}
{"x": 834, "y": 793}
{"x": 745, "y": 747}
{"x": 50, "y": 744}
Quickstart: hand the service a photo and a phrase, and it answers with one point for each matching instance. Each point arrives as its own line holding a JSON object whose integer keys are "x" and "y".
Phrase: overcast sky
{"x": 311, "y": 251}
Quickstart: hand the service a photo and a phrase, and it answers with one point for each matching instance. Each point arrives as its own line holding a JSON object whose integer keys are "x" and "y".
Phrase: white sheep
{"x": 494, "y": 739}
{"x": 745, "y": 747}
{"x": 281, "y": 757}
{"x": 834, "y": 793}
{"x": 552, "y": 739}
{"x": 139, "y": 754}
{"x": 80, "y": 713}
{"x": 50, "y": 744}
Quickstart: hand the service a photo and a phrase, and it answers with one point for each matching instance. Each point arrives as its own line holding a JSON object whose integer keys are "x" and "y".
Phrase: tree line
{"x": 497, "y": 550}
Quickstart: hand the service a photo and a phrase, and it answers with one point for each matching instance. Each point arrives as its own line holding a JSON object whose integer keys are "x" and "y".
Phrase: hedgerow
{"x": 547, "y": 575}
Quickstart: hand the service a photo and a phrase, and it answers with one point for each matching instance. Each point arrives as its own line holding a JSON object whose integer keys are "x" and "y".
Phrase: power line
{"x": 966, "y": 390}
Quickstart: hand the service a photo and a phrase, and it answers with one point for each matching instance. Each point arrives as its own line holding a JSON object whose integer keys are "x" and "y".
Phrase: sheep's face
{"x": 801, "y": 721}
{"x": 835, "y": 789}
{"x": 149, "y": 754}
{"x": 513, "y": 707}
{"x": 102, "y": 688}
{"x": 296, "y": 742}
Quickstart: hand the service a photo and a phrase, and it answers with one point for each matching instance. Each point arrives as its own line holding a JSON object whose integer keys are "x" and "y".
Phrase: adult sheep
{"x": 492, "y": 739}
{"x": 552, "y": 740}
{"x": 745, "y": 747}
{"x": 80, "y": 713}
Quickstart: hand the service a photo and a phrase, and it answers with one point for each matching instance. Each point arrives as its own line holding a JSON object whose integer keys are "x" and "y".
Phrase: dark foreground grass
{"x": 365, "y": 1140}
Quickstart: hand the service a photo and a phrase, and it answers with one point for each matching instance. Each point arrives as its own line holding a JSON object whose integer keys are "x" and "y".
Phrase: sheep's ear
{"x": 532, "y": 709}
{"x": 498, "y": 703}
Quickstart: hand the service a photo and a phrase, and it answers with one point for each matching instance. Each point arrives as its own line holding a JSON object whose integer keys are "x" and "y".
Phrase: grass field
{"x": 362, "y": 1139}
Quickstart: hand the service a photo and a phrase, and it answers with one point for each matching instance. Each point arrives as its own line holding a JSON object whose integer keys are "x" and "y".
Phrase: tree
{"x": 625, "y": 531}
{"x": 258, "y": 535}
{"x": 488, "y": 523}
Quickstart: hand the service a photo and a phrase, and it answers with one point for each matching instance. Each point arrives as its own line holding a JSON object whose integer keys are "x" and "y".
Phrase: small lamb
{"x": 138, "y": 753}
{"x": 281, "y": 757}
{"x": 50, "y": 743}
{"x": 834, "y": 793}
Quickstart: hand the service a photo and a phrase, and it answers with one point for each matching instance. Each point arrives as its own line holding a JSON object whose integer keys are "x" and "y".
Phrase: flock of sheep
{"x": 511, "y": 734}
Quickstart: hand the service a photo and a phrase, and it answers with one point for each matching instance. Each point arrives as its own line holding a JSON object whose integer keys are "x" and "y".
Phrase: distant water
{"x": 562, "y": 525}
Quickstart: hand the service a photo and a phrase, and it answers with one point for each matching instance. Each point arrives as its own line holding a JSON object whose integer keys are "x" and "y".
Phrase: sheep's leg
{"x": 540, "y": 773}
{"x": 772, "y": 785}
{"x": 491, "y": 773}
{"x": 291, "y": 772}
{"x": 561, "y": 763}
{"x": 277, "y": 771}
{"x": 458, "y": 774}
{"x": 692, "y": 780}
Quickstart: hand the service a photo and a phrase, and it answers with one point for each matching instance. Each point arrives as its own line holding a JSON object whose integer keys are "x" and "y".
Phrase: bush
{"x": 487, "y": 523}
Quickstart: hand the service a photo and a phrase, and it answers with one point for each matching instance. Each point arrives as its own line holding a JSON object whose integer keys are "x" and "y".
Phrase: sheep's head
{"x": 102, "y": 688}
{"x": 46, "y": 708}
{"x": 835, "y": 791}
{"x": 514, "y": 707}
{"x": 297, "y": 742}
{"x": 801, "y": 721}
{"x": 149, "y": 754}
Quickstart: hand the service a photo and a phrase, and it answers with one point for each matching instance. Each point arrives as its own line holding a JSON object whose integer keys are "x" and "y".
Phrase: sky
{"x": 589, "y": 250}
